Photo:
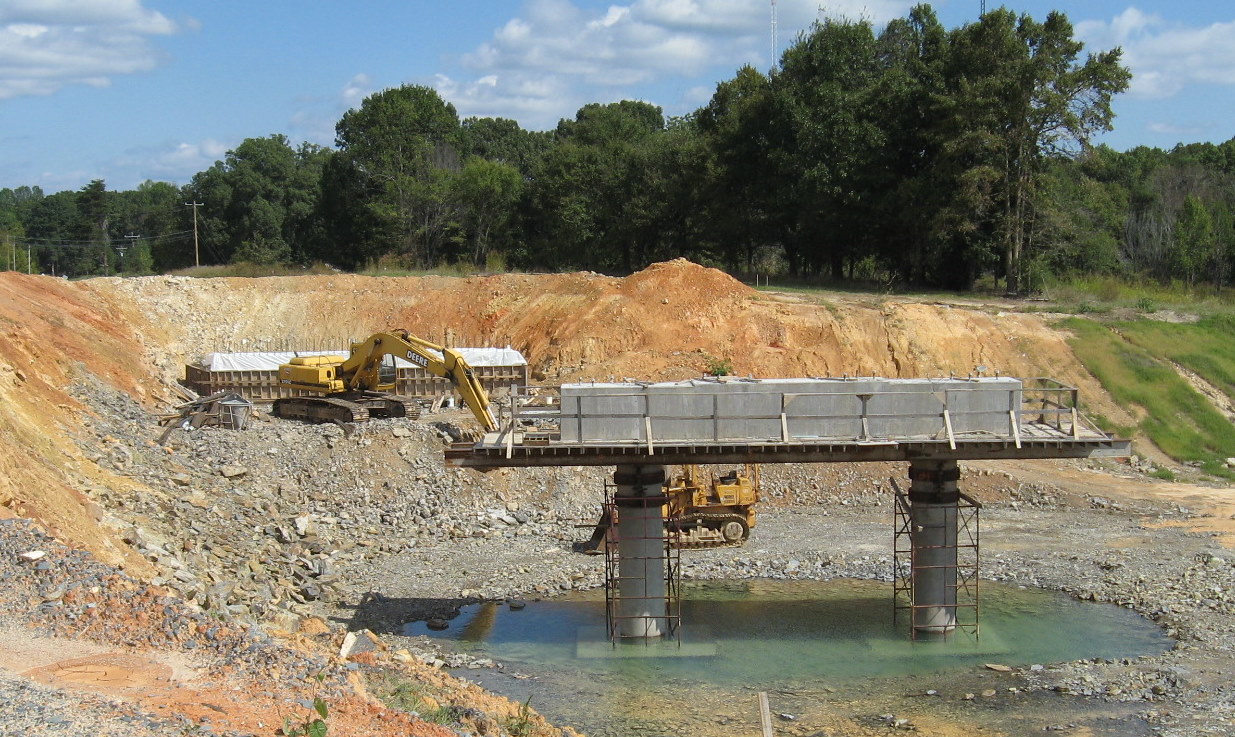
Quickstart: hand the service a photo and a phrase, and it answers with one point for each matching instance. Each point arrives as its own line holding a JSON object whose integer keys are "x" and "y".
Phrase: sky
{"x": 134, "y": 90}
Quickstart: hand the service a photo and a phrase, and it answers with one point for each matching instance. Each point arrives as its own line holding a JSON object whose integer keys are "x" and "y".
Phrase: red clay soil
{"x": 669, "y": 321}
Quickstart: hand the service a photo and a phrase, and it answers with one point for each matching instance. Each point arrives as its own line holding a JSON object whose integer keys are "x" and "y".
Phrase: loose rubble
{"x": 282, "y": 523}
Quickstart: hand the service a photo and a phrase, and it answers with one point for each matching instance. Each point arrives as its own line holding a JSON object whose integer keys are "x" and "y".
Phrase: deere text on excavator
{"x": 359, "y": 386}
{"x": 702, "y": 510}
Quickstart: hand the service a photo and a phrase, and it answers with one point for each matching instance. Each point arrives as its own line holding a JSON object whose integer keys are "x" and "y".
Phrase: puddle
{"x": 834, "y": 639}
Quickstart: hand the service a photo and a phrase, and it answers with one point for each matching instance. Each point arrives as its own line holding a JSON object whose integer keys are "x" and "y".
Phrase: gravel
{"x": 283, "y": 521}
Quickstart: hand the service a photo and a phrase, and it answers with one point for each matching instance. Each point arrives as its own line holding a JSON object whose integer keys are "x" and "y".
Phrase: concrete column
{"x": 642, "y": 564}
{"x": 933, "y": 512}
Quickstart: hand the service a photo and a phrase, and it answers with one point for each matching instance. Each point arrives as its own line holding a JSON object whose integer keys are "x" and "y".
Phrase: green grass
{"x": 1104, "y": 293}
{"x": 411, "y": 696}
{"x": 254, "y": 270}
{"x": 1206, "y": 347}
{"x": 1179, "y": 419}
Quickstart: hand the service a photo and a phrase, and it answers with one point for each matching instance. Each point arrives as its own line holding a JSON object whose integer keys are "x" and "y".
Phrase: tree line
{"x": 911, "y": 154}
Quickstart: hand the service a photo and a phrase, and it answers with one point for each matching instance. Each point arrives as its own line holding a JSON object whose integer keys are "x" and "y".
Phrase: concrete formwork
{"x": 784, "y": 410}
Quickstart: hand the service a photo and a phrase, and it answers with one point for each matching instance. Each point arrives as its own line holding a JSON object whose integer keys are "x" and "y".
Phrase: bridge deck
{"x": 794, "y": 421}
{"x": 1036, "y": 440}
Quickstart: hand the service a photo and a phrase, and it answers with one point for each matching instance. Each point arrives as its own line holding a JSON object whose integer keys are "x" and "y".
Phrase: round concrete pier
{"x": 934, "y": 505}
{"x": 642, "y": 565}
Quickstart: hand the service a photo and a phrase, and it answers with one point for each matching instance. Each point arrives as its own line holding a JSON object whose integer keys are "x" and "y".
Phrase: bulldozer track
{"x": 720, "y": 520}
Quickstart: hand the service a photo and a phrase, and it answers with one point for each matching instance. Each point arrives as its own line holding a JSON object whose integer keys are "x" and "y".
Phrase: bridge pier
{"x": 934, "y": 498}
{"x": 642, "y": 596}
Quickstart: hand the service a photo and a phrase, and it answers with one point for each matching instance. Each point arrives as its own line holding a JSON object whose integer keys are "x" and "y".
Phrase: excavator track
{"x": 319, "y": 409}
{"x": 344, "y": 408}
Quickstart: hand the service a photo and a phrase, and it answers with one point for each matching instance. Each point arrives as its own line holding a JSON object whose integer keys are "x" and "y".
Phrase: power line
{"x": 59, "y": 241}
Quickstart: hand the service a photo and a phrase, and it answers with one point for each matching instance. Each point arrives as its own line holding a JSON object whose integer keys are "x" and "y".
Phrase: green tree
{"x": 401, "y": 144}
{"x": 828, "y": 82}
{"x": 15, "y": 206}
{"x": 1034, "y": 102}
{"x": 746, "y": 170}
{"x": 51, "y": 222}
{"x": 502, "y": 140}
{"x": 94, "y": 207}
{"x": 154, "y": 213}
{"x": 1195, "y": 242}
{"x": 487, "y": 193}
{"x": 595, "y": 199}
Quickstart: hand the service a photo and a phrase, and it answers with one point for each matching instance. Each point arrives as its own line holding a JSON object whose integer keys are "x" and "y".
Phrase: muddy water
{"x": 828, "y": 653}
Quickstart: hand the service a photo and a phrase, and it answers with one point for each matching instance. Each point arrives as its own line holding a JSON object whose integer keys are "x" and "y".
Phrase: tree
{"x": 593, "y": 201}
{"x": 1021, "y": 89}
{"x": 94, "y": 208}
{"x": 402, "y": 145}
{"x": 1195, "y": 243}
{"x": 746, "y": 171}
{"x": 502, "y": 140}
{"x": 486, "y": 193}
{"x": 828, "y": 80}
{"x": 154, "y": 213}
{"x": 15, "y": 206}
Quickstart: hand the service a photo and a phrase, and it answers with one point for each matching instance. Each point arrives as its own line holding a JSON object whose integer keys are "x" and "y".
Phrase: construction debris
{"x": 224, "y": 409}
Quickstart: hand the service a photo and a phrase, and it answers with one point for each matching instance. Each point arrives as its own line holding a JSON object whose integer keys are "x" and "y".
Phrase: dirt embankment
{"x": 666, "y": 322}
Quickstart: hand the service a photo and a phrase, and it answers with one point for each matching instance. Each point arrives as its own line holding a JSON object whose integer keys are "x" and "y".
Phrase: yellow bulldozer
{"x": 703, "y": 510}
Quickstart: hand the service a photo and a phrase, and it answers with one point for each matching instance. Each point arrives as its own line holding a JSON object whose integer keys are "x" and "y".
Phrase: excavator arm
{"x": 362, "y": 369}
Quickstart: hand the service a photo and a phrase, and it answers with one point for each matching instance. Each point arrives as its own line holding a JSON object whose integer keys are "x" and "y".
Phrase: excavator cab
{"x": 387, "y": 371}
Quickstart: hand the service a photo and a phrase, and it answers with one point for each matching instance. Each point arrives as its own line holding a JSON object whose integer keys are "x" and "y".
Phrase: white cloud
{"x": 48, "y": 44}
{"x": 581, "y": 55}
{"x": 1181, "y": 131}
{"x": 172, "y": 161}
{"x": 316, "y": 117}
{"x": 1165, "y": 57}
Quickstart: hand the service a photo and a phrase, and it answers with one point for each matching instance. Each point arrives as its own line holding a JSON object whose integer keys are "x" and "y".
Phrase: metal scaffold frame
{"x": 669, "y": 561}
{"x": 968, "y": 560}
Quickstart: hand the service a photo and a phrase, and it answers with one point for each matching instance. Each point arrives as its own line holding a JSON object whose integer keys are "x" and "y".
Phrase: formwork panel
{"x": 410, "y": 380}
{"x": 786, "y": 409}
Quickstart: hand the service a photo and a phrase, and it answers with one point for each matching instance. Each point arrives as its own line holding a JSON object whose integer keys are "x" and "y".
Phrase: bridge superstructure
{"x": 932, "y": 424}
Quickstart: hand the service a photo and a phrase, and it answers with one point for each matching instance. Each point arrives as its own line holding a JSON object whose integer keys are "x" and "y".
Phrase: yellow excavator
{"x": 358, "y": 386}
{"x": 702, "y": 510}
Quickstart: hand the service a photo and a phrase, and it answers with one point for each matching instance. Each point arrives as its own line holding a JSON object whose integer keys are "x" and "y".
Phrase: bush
{"x": 719, "y": 366}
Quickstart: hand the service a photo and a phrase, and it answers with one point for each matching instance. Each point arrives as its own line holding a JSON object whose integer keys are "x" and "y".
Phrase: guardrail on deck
{"x": 1037, "y": 407}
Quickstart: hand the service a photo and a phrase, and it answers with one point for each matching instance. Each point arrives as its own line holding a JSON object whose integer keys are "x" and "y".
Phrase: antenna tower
{"x": 983, "y": 7}
{"x": 773, "y": 35}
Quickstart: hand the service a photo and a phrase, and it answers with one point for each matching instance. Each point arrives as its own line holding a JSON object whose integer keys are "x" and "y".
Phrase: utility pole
{"x": 133, "y": 239}
{"x": 197, "y": 261}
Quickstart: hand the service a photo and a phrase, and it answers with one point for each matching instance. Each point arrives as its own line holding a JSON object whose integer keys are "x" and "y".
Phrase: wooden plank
{"x": 765, "y": 715}
{"x": 1016, "y": 429}
{"x": 947, "y": 423}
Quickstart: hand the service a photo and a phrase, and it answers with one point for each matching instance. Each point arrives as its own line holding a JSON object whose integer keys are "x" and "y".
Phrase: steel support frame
{"x": 621, "y": 624}
{"x": 907, "y": 566}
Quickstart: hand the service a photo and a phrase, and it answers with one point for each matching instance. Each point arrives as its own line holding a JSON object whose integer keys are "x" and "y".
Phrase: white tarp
{"x": 272, "y": 361}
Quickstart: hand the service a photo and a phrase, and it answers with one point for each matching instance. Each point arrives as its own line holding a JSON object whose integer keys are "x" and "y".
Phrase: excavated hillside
{"x": 666, "y": 322}
{"x": 219, "y": 531}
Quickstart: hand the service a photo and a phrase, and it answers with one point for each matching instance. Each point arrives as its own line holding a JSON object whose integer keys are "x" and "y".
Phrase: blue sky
{"x": 129, "y": 90}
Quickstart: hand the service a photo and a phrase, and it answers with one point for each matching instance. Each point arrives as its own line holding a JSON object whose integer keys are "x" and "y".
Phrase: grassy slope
{"x": 1133, "y": 362}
